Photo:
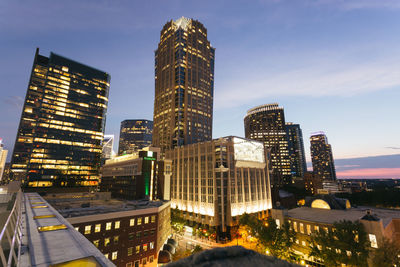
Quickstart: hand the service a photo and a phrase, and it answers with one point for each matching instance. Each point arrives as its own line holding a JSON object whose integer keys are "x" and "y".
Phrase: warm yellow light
{"x": 52, "y": 228}
{"x": 84, "y": 262}
{"x": 39, "y": 207}
{"x": 44, "y": 216}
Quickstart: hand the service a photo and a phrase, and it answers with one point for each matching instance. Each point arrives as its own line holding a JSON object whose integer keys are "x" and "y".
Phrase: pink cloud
{"x": 370, "y": 173}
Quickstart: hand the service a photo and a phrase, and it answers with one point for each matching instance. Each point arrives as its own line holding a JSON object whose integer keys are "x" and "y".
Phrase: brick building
{"x": 129, "y": 233}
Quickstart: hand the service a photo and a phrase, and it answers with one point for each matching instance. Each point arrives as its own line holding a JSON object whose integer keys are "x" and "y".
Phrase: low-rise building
{"x": 320, "y": 213}
{"x": 129, "y": 233}
{"x": 141, "y": 175}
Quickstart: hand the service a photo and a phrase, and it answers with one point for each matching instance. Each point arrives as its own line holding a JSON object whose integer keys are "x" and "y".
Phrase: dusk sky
{"x": 334, "y": 65}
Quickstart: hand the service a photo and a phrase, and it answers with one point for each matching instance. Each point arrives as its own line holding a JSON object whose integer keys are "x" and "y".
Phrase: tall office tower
{"x": 296, "y": 149}
{"x": 321, "y": 156}
{"x": 108, "y": 147}
{"x": 266, "y": 123}
{"x": 62, "y": 124}
{"x": 215, "y": 182}
{"x": 3, "y": 158}
{"x": 184, "y": 85}
{"x": 134, "y": 135}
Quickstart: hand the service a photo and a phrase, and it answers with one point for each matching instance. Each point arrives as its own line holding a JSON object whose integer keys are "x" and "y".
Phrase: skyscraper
{"x": 321, "y": 156}
{"x": 184, "y": 85}
{"x": 62, "y": 124}
{"x": 296, "y": 149}
{"x": 108, "y": 147}
{"x": 3, "y": 158}
{"x": 134, "y": 135}
{"x": 266, "y": 123}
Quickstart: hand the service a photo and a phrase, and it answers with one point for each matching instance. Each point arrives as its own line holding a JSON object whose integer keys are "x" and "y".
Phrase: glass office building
{"x": 266, "y": 123}
{"x": 59, "y": 139}
{"x": 134, "y": 135}
{"x": 296, "y": 149}
{"x": 322, "y": 157}
{"x": 184, "y": 85}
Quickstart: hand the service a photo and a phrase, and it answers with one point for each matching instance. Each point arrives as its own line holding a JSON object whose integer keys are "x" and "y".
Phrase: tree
{"x": 177, "y": 222}
{"x": 345, "y": 243}
{"x": 196, "y": 249}
{"x": 278, "y": 241}
{"x": 387, "y": 254}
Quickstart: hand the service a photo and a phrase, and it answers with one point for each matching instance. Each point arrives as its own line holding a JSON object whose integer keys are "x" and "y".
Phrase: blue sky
{"x": 334, "y": 65}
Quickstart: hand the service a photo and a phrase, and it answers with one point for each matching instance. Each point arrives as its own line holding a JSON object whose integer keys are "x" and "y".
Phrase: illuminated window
{"x": 372, "y": 239}
{"x": 97, "y": 228}
{"x": 146, "y": 219}
{"x": 137, "y": 249}
{"x": 316, "y": 228}
{"x": 151, "y": 245}
{"x": 153, "y": 219}
{"x": 108, "y": 226}
{"x": 117, "y": 224}
{"x": 116, "y": 239}
{"x": 96, "y": 243}
{"x": 106, "y": 255}
{"x": 278, "y": 223}
{"x": 88, "y": 229}
{"x": 301, "y": 228}
{"x": 144, "y": 247}
{"x": 106, "y": 241}
{"x": 139, "y": 221}
{"x": 303, "y": 243}
{"x": 130, "y": 251}
{"x": 114, "y": 255}
{"x": 77, "y": 229}
{"x": 308, "y": 229}
{"x": 132, "y": 222}
{"x": 295, "y": 226}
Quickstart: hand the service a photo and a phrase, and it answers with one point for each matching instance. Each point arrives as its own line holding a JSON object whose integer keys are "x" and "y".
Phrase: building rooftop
{"x": 51, "y": 240}
{"x": 353, "y": 214}
{"x": 73, "y": 205}
{"x": 230, "y": 256}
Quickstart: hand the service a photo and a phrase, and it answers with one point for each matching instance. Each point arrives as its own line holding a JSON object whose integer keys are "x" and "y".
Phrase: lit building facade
{"x": 184, "y": 85}
{"x": 296, "y": 149}
{"x": 142, "y": 175}
{"x": 3, "y": 158}
{"x": 266, "y": 123}
{"x": 215, "y": 182}
{"x": 320, "y": 213}
{"x": 134, "y": 135}
{"x": 108, "y": 146}
{"x": 128, "y": 233}
{"x": 62, "y": 124}
{"x": 321, "y": 156}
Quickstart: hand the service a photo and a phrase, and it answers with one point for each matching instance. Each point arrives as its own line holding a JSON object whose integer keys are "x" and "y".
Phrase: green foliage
{"x": 197, "y": 249}
{"x": 380, "y": 197}
{"x": 177, "y": 222}
{"x": 345, "y": 243}
{"x": 387, "y": 254}
{"x": 278, "y": 241}
{"x": 299, "y": 193}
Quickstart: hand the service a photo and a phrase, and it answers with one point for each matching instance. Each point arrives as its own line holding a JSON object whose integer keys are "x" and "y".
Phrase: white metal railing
{"x": 11, "y": 235}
